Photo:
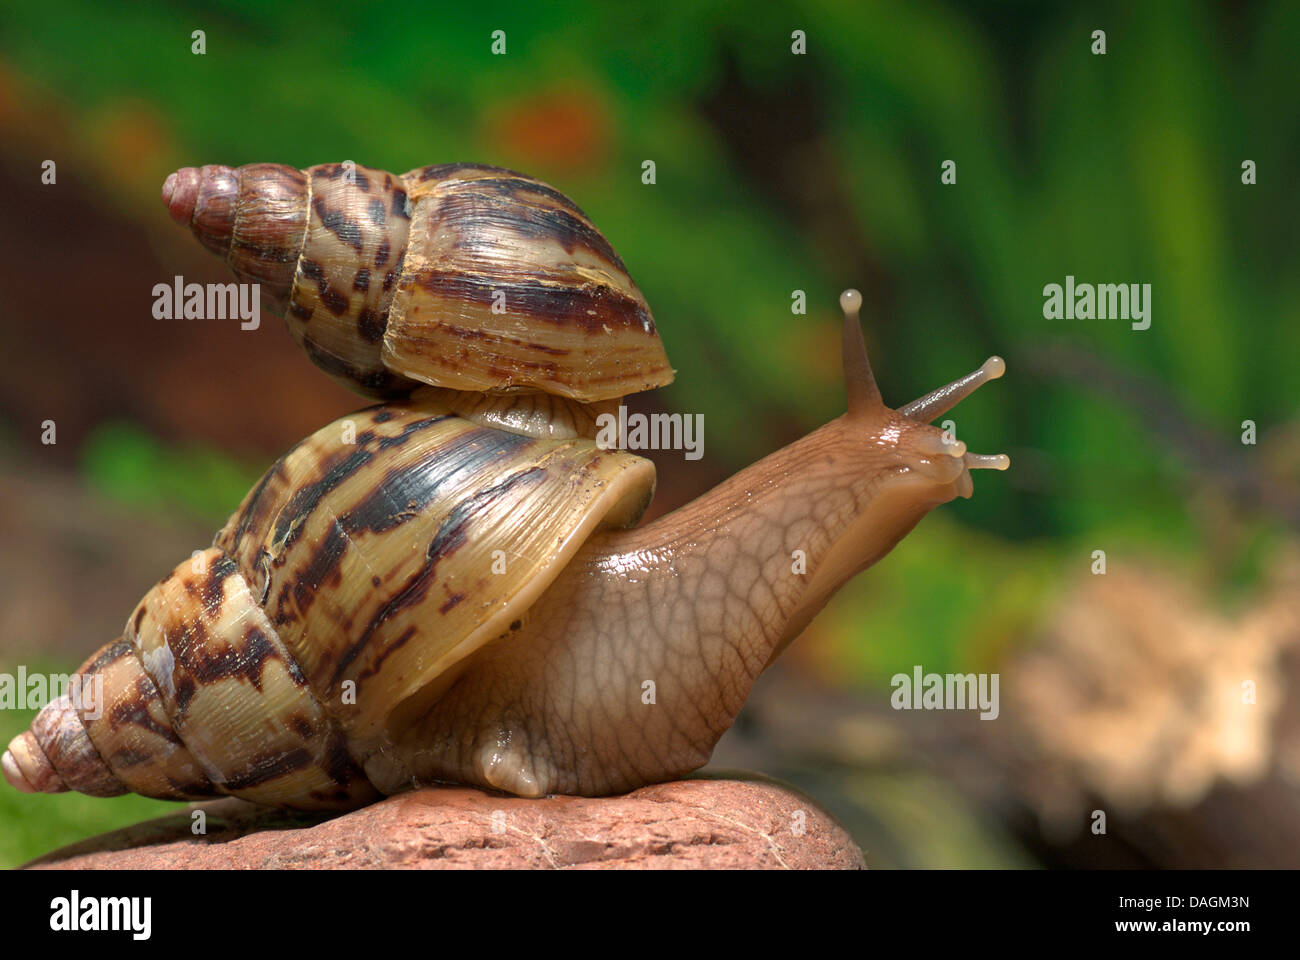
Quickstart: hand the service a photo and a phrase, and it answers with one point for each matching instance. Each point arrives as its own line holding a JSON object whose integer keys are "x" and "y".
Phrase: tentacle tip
{"x": 850, "y": 301}
{"x": 14, "y": 775}
{"x": 988, "y": 461}
{"x": 994, "y": 367}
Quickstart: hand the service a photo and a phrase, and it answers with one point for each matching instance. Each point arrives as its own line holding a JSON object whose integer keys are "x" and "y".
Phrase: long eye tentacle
{"x": 859, "y": 380}
{"x": 942, "y": 400}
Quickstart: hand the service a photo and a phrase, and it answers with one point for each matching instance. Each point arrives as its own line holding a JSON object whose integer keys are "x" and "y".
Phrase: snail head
{"x": 929, "y": 464}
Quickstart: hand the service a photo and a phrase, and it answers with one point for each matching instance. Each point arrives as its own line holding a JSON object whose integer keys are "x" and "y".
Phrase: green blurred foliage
{"x": 123, "y": 461}
{"x": 1117, "y": 168}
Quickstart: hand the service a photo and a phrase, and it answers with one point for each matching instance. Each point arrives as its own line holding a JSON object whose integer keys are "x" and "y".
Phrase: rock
{"x": 689, "y": 824}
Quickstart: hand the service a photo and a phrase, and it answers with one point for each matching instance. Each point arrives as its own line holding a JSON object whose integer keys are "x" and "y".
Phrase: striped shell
{"x": 461, "y": 276}
{"x": 369, "y": 561}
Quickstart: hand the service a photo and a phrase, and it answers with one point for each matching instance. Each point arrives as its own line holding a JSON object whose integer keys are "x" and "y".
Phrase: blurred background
{"x": 775, "y": 172}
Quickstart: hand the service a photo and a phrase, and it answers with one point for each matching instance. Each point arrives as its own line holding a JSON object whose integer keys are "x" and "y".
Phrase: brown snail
{"x": 450, "y": 587}
{"x": 389, "y": 282}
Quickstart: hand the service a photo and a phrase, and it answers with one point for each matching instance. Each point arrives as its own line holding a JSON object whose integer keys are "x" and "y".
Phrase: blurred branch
{"x": 1169, "y": 422}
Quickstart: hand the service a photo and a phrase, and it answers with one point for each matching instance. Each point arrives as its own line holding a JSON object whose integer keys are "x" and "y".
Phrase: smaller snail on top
{"x": 483, "y": 282}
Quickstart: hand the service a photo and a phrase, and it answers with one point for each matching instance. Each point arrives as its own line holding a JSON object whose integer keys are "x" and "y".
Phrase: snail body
{"x": 452, "y": 586}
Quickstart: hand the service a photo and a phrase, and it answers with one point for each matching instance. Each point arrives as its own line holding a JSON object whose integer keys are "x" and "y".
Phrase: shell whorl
{"x": 385, "y": 562}
{"x": 462, "y": 276}
{"x": 198, "y": 698}
{"x": 364, "y": 569}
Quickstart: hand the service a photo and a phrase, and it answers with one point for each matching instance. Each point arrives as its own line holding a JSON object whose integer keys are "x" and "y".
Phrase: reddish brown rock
{"x": 700, "y": 824}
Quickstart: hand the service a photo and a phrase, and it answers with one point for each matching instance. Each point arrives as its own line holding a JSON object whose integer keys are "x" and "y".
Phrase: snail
{"x": 452, "y": 585}
{"x": 390, "y": 282}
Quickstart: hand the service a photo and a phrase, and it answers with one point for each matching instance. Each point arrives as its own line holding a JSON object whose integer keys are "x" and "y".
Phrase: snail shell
{"x": 461, "y": 276}
{"x": 352, "y": 577}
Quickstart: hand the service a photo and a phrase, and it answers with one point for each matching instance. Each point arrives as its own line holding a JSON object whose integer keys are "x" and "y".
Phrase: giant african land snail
{"x": 458, "y": 591}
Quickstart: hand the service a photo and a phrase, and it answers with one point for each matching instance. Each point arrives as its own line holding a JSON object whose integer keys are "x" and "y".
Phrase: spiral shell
{"x": 462, "y": 276}
{"x": 365, "y": 567}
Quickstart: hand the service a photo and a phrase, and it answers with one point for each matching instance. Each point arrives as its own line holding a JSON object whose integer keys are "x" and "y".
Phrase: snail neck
{"x": 755, "y": 559}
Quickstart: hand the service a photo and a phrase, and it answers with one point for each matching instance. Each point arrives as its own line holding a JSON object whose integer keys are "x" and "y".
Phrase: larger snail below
{"x": 462, "y": 593}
